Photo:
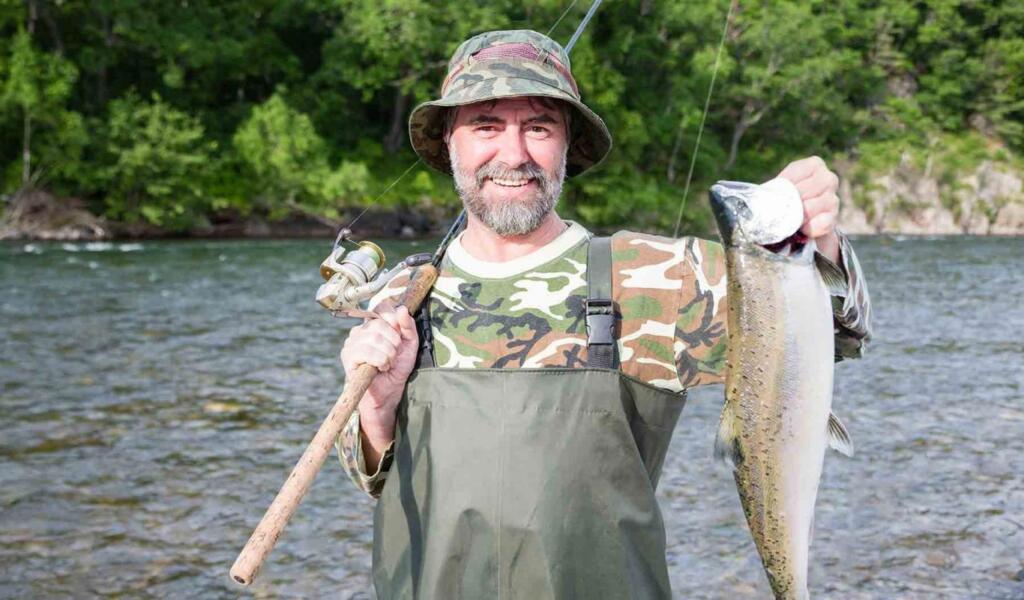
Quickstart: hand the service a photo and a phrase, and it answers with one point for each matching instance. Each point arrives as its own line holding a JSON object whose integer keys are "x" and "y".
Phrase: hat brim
{"x": 591, "y": 141}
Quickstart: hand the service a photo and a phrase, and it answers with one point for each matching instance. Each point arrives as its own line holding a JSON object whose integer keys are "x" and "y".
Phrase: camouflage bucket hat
{"x": 507, "y": 64}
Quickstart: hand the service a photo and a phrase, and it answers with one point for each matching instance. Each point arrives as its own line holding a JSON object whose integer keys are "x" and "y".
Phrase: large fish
{"x": 777, "y": 419}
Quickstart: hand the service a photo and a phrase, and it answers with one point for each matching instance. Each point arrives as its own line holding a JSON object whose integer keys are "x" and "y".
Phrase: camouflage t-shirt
{"x": 529, "y": 312}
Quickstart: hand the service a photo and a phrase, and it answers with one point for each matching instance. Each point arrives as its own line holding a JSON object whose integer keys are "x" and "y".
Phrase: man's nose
{"x": 513, "y": 151}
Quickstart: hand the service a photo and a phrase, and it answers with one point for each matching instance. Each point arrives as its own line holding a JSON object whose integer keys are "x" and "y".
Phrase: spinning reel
{"x": 352, "y": 278}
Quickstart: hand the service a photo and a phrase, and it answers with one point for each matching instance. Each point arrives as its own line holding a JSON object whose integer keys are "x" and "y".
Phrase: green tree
{"x": 159, "y": 164}
{"x": 394, "y": 52}
{"x": 289, "y": 160}
{"x": 781, "y": 67}
{"x": 868, "y": 78}
{"x": 37, "y": 86}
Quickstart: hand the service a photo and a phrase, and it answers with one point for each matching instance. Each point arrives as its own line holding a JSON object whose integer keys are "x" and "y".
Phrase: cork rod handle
{"x": 263, "y": 538}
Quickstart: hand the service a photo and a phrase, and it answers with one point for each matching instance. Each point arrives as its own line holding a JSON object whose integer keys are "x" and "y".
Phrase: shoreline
{"x": 294, "y": 231}
{"x": 39, "y": 216}
{"x": 42, "y": 217}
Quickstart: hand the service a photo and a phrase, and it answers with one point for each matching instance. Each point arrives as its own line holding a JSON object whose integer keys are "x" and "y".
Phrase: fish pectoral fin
{"x": 838, "y": 437}
{"x": 726, "y": 449}
{"x": 832, "y": 275}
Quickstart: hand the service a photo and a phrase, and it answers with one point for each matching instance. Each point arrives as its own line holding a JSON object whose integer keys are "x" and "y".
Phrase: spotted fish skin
{"x": 778, "y": 384}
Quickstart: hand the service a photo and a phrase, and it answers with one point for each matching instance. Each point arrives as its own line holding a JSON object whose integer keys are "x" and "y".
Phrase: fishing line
{"x": 703, "y": 119}
{"x": 381, "y": 195}
{"x": 564, "y": 12}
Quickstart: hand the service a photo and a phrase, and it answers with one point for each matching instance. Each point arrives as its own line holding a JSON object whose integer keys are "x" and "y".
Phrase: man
{"x": 524, "y": 464}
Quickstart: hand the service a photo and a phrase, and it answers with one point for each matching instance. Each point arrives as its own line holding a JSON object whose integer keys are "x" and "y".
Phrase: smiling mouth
{"x": 511, "y": 183}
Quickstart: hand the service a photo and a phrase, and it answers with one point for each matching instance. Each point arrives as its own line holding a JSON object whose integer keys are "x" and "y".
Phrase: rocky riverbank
{"x": 913, "y": 199}
{"x": 907, "y": 199}
{"x": 38, "y": 215}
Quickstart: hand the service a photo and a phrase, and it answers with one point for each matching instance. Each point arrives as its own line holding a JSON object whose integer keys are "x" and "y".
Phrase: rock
{"x": 916, "y": 199}
{"x": 38, "y": 215}
{"x": 222, "y": 407}
{"x": 1009, "y": 220}
{"x": 256, "y": 228}
{"x": 942, "y": 558}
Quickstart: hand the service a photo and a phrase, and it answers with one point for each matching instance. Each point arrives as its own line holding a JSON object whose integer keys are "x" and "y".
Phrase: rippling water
{"x": 155, "y": 396}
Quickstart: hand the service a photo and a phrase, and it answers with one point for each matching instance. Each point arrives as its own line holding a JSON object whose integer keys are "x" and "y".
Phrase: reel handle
{"x": 263, "y": 538}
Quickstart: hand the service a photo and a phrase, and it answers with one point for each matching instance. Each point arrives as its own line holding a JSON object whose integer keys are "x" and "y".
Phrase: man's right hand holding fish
{"x": 818, "y": 187}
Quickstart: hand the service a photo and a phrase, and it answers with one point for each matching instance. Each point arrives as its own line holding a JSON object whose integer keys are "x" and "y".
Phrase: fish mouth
{"x": 790, "y": 247}
{"x": 729, "y": 206}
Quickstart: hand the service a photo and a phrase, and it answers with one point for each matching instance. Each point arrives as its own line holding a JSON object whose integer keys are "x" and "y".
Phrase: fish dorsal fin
{"x": 831, "y": 274}
{"x": 838, "y": 438}
{"x": 726, "y": 450}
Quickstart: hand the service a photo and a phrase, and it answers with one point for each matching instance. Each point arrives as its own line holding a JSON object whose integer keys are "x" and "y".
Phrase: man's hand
{"x": 388, "y": 343}
{"x": 817, "y": 186}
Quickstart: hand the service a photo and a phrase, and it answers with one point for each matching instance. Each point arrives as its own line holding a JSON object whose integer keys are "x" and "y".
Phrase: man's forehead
{"x": 535, "y": 105}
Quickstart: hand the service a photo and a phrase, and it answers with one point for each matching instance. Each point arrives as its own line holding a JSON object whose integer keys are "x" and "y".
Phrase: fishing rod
{"x": 351, "y": 278}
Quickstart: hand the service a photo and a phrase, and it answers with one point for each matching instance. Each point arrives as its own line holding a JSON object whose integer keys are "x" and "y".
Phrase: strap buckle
{"x": 600, "y": 321}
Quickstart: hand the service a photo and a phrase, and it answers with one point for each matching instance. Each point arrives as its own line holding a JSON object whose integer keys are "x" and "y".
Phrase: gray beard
{"x": 508, "y": 218}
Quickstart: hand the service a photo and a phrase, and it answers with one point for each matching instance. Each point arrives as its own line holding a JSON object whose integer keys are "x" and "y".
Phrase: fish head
{"x": 762, "y": 214}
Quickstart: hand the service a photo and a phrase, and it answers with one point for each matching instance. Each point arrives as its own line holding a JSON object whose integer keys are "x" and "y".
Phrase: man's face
{"x": 508, "y": 159}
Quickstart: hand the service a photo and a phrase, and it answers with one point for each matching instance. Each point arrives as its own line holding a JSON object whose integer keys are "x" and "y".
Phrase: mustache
{"x": 500, "y": 170}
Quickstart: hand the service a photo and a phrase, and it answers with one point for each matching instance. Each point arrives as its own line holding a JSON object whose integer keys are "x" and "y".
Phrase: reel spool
{"x": 359, "y": 266}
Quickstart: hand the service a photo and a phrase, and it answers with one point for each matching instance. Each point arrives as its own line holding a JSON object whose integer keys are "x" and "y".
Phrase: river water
{"x": 155, "y": 395}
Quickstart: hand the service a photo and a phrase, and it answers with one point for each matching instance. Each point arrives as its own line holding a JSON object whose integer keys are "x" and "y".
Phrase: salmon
{"x": 776, "y": 423}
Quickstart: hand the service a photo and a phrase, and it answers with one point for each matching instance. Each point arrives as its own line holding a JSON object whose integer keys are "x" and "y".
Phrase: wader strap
{"x": 602, "y": 350}
{"x": 425, "y": 354}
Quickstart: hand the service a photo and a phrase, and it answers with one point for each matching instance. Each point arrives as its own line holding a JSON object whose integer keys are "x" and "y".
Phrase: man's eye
{"x": 537, "y": 130}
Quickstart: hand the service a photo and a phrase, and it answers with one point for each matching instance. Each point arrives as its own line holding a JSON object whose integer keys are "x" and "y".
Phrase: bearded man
{"x": 516, "y": 432}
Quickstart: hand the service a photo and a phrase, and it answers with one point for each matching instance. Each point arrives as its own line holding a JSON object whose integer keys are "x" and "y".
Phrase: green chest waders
{"x": 529, "y": 483}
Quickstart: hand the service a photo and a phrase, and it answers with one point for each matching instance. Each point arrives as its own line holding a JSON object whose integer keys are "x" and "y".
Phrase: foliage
{"x": 36, "y": 89}
{"x": 282, "y": 149}
{"x": 170, "y": 116}
{"x": 159, "y": 163}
